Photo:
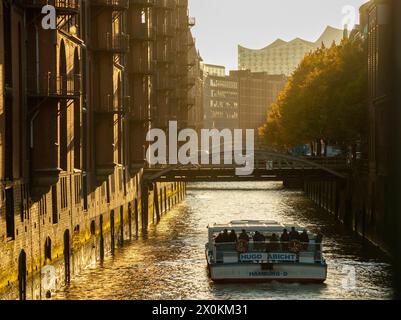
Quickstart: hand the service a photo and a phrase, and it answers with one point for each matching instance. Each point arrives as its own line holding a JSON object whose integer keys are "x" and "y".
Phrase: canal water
{"x": 169, "y": 262}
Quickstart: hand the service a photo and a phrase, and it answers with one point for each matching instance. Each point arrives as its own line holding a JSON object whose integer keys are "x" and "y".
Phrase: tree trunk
{"x": 353, "y": 150}
{"x": 319, "y": 148}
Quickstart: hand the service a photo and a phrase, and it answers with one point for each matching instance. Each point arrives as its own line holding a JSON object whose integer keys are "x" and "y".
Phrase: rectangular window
{"x": 78, "y": 189}
{"x": 143, "y": 17}
{"x": 22, "y": 203}
{"x": 43, "y": 206}
{"x": 85, "y": 191}
{"x": 108, "y": 191}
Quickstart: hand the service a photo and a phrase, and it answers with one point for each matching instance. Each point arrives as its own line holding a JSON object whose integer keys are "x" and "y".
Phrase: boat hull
{"x": 280, "y": 272}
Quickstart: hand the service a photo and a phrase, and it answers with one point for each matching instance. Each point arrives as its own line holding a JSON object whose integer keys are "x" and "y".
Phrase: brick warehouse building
{"x": 378, "y": 28}
{"x": 381, "y": 24}
{"x": 369, "y": 202}
{"x": 75, "y": 106}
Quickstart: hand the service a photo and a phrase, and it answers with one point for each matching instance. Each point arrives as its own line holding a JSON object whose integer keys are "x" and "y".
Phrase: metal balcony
{"x": 191, "y": 21}
{"x": 181, "y": 72}
{"x": 190, "y": 81}
{"x": 191, "y": 101}
{"x": 116, "y": 5}
{"x": 110, "y": 108}
{"x": 182, "y": 3}
{"x": 145, "y": 68}
{"x": 191, "y": 44}
{"x": 165, "y": 85}
{"x": 63, "y": 7}
{"x": 139, "y": 113}
{"x": 183, "y": 50}
{"x": 165, "y": 4}
{"x": 142, "y": 3}
{"x": 54, "y": 86}
{"x": 113, "y": 43}
{"x": 182, "y": 27}
{"x": 191, "y": 64}
{"x": 164, "y": 58}
{"x": 142, "y": 33}
{"x": 182, "y": 93}
{"x": 165, "y": 31}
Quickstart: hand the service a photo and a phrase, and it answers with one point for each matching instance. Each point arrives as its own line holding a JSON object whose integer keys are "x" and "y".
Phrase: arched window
{"x": 143, "y": 16}
{"x": 93, "y": 228}
{"x": 48, "y": 249}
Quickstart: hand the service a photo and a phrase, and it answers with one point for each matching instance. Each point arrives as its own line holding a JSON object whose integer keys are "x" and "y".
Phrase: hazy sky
{"x": 223, "y": 24}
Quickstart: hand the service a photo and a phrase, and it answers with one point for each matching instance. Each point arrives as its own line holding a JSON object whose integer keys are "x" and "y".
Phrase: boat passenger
{"x": 259, "y": 240}
{"x": 243, "y": 236}
{"x": 219, "y": 238}
{"x": 258, "y": 237}
{"x": 274, "y": 245}
{"x": 233, "y": 236}
{"x": 285, "y": 237}
{"x": 274, "y": 238}
{"x": 304, "y": 237}
{"x": 226, "y": 236}
{"x": 294, "y": 235}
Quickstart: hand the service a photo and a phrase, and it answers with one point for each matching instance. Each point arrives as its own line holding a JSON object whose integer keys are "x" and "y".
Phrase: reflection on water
{"x": 169, "y": 262}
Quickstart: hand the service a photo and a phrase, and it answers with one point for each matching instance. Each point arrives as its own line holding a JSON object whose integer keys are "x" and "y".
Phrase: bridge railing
{"x": 270, "y": 246}
{"x": 328, "y": 161}
{"x": 297, "y": 164}
{"x": 266, "y": 164}
{"x": 262, "y": 160}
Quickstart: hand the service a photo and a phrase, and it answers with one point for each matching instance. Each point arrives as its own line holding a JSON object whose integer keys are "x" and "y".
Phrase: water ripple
{"x": 169, "y": 262}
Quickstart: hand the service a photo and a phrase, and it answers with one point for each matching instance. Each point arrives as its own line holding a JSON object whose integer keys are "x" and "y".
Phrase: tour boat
{"x": 246, "y": 260}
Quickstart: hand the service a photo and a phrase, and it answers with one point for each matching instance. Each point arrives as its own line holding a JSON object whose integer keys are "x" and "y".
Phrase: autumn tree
{"x": 323, "y": 101}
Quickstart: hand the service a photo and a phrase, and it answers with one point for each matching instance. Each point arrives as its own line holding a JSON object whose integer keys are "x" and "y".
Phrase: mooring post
{"x": 145, "y": 205}
{"x": 156, "y": 201}
{"x": 165, "y": 199}
{"x": 130, "y": 221}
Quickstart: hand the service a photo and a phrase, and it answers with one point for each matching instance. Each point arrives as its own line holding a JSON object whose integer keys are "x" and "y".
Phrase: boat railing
{"x": 266, "y": 246}
{"x": 301, "y": 250}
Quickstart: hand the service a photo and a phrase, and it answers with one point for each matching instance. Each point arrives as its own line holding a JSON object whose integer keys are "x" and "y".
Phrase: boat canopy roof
{"x": 252, "y": 226}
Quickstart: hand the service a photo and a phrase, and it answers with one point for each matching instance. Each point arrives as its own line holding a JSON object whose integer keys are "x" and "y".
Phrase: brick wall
{"x": 36, "y": 227}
